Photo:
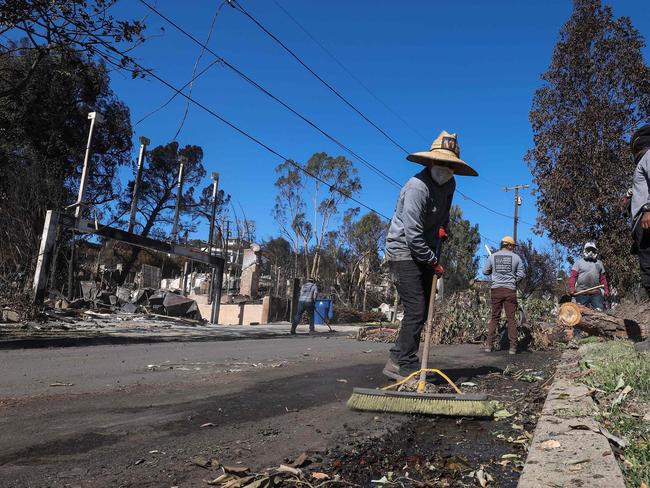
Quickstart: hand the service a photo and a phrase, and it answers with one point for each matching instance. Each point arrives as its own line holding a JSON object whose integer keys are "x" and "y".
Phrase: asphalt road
{"x": 132, "y": 415}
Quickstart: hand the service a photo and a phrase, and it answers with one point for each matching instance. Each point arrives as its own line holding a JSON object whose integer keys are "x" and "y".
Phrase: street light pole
{"x": 144, "y": 142}
{"x": 179, "y": 196}
{"x": 95, "y": 118}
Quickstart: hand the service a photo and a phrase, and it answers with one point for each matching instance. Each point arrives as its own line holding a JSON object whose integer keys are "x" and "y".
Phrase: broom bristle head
{"x": 422, "y": 404}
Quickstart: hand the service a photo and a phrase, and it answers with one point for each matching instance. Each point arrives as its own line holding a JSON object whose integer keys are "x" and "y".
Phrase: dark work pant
{"x": 304, "y": 306}
{"x": 594, "y": 301}
{"x": 413, "y": 282}
{"x": 503, "y": 298}
{"x": 642, "y": 248}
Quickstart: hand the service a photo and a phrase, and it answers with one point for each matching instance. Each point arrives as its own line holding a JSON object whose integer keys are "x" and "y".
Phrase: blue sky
{"x": 466, "y": 67}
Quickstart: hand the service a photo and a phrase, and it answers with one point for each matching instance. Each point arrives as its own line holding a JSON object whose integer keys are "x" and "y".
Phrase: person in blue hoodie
{"x": 419, "y": 222}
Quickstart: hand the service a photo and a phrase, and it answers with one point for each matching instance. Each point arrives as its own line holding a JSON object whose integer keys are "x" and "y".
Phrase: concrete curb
{"x": 583, "y": 456}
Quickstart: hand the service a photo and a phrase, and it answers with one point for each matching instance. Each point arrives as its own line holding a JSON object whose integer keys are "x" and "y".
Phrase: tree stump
{"x": 593, "y": 322}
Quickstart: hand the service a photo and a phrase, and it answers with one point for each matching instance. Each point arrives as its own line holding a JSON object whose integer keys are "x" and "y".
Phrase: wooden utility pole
{"x": 516, "y": 188}
{"x": 144, "y": 142}
{"x": 215, "y": 188}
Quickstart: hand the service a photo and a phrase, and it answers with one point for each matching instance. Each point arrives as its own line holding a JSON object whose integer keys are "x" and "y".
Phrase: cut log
{"x": 600, "y": 323}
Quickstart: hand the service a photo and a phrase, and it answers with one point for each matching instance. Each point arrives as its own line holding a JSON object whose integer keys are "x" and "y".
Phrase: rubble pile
{"x": 125, "y": 300}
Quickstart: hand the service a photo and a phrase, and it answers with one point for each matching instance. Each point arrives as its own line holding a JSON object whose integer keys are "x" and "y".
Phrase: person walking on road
{"x": 418, "y": 224}
{"x": 589, "y": 272}
{"x": 506, "y": 270}
{"x": 306, "y": 300}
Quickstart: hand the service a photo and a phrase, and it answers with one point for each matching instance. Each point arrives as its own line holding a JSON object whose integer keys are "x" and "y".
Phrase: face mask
{"x": 591, "y": 255}
{"x": 441, "y": 174}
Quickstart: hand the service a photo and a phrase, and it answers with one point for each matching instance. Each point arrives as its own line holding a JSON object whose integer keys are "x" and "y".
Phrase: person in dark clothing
{"x": 639, "y": 201}
{"x": 306, "y": 300}
{"x": 418, "y": 224}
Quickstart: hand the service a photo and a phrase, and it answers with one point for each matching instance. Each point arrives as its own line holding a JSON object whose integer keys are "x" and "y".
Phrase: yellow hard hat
{"x": 508, "y": 240}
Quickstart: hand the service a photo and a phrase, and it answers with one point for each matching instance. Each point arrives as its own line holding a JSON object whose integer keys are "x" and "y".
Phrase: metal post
{"x": 186, "y": 272}
{"x": 295, "y": 296}
{"x": 95, "y": 118}
{"x": 48, "y": 239}
{"x": 144, "y": 142}
{"x": 216, "y": 293}
{"x": 179, "y": 196}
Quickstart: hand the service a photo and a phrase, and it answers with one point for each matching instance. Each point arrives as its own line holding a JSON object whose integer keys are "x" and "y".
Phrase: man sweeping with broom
{"x": 419, "y": 223}
{"x": 413, "y": 250}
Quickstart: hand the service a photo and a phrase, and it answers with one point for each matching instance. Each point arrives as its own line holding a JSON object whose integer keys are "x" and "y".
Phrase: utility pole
{"x": 179, "y": 196}
{"x": 516, "y": 188}
{"x": 227, "y": 258}
{"x": 144, "y": 142}
{"x": 215, "y": 187}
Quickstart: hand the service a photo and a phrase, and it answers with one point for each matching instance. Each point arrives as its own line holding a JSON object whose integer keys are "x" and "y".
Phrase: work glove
{"x": 442, "y": 233}
{"x": 437, "y": 268}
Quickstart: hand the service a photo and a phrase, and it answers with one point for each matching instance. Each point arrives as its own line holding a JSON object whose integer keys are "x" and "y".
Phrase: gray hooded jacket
{"x": 641, "y": 184}
{"x": 308, "y": 292}
{"x": 422, "y": 208}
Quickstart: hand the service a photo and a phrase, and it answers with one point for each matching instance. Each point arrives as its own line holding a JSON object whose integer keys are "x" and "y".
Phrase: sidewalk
{"x": 121, "y": 330}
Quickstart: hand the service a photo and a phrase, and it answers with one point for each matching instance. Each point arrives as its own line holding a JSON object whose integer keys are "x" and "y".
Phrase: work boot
{"x": 512, "y": 350}
{"x": 391, "y": 370}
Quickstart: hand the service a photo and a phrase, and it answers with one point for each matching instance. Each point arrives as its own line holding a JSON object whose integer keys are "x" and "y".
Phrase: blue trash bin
{"x": 322, "y": 312}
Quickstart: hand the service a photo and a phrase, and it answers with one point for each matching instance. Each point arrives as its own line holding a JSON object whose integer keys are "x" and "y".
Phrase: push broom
{"x": 419, "y": 401}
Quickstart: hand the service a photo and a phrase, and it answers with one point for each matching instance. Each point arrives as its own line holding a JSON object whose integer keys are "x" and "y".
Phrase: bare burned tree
{"x": 595, "y": 92}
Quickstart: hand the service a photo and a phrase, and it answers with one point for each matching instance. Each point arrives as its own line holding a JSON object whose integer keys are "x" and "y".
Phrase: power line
{"x": 196, "y": 66}
{"x": 352, "y": 75}
{"x": 259, "y": 87}
{"x": 236, "y": 5}
{"x": 246, "y": 134}
{"x": 284, "y": 104}
{"x": 204, "y": 70}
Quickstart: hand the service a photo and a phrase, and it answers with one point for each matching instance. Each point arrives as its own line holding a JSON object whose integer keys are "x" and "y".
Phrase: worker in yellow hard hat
{"x": 506, "y": 270}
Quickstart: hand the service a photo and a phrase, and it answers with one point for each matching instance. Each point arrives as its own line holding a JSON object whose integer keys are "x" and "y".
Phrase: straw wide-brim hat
{"x": 444, "y": 152}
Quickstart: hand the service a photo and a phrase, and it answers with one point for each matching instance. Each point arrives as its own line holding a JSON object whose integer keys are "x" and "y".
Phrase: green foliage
{"x": 44, "y": 130}
{"x": 291, "y": 213}
{"x": 595, "y": 91}
{"x": 614, "y": 361}
{"x": 459, "y": 252}
{"x": 612, "y": 365}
